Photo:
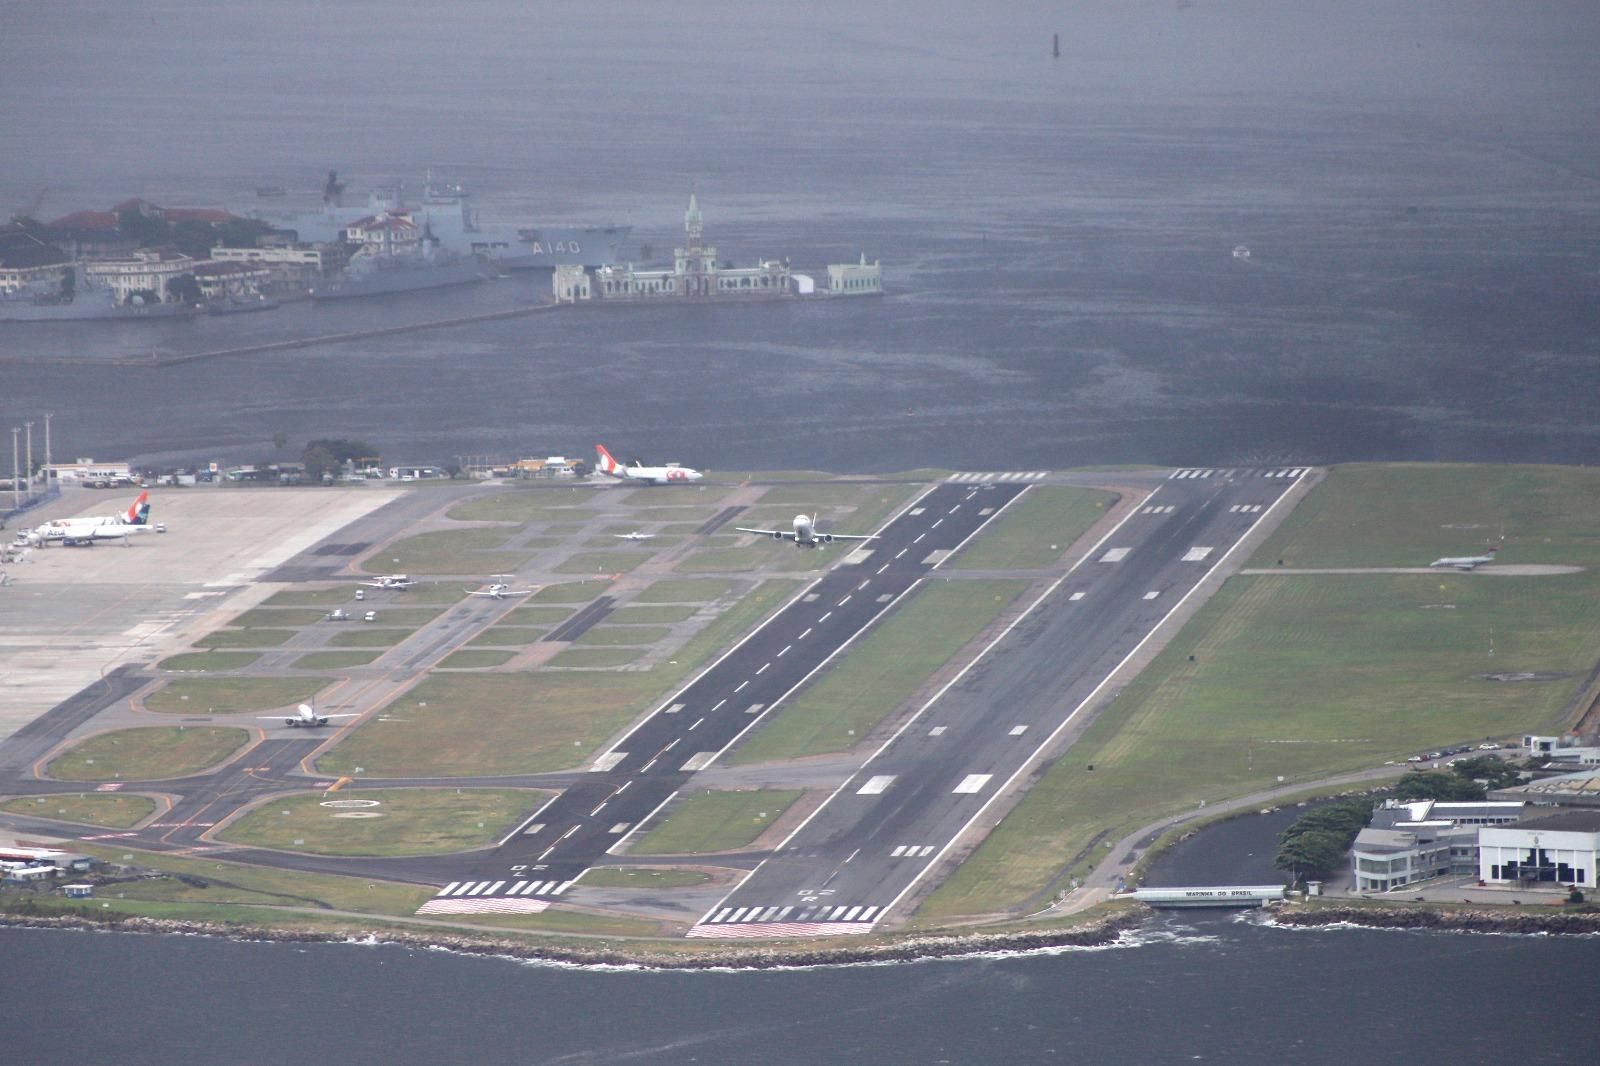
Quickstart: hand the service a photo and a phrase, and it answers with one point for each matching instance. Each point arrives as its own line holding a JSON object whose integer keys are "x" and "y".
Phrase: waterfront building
{"x": 571, "y": 283}
{"x": 383, "y": 234}
{"x": 88, "y": 235}
{"x": 1386, "y": 859}
{"x": 290, "y": 265}
{"x": 855, "y": 279}
{"x": 694, "y": 273}
{"x": 1580, "y": 788}
{"x": 26, "y": 262}
{"x": 146, "y": 270}
{"x": 223, "y": 279}
{"x": 1563, "y": 848}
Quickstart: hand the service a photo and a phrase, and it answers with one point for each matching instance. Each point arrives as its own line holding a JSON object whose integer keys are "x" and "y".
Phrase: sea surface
{"x": 1418, "y": 188}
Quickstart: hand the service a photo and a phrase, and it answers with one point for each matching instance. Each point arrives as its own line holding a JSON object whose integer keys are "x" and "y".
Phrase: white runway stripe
{"x": 500, "y": 904}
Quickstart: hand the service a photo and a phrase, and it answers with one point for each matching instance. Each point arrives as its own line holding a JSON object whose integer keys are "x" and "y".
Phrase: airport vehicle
{"x": 1487, "y": 746}
{"x": 635, "y": 535}
{"x": 498, "y": 591}
{"x": 370, "y": 616}
{"x": 670, "y": 474}
{"x": 804, "y": 534}
{"x": 394, "y": 582}
{"x": 338, "y": 614}
{"x": 1463, "y": 562}
{"x": 84, "y": 531}
{"x": 307, "y": 717}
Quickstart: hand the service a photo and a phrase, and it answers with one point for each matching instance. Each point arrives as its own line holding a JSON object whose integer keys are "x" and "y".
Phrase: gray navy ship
{"x": 446, "y": 210}
{"x": 424, "y": 267}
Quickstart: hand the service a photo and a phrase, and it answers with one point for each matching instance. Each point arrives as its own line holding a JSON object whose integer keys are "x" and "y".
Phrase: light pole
{"x": 28, "y": 469}
{"x": 47, "y": 416}
{"x": 15, "y": 491}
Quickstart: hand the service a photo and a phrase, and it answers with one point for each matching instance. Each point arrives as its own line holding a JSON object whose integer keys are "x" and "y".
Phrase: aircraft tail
{"x": 605, "y": 463}
{"x": 138, "y": 513}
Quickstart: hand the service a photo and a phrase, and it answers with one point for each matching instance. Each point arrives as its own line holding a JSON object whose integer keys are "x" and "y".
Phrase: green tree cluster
{"x": 1447, "y": 786}
{"x": 327, "y": 455}
{"x": 1315, "y": 844}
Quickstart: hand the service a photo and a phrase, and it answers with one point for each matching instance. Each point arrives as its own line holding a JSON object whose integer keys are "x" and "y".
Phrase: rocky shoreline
{"x": 742, "y": 956}
{"x": 1469, "y": 920}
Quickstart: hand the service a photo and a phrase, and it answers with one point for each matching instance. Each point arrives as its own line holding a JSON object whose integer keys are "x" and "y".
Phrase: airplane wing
{"x": 348, "y": 714}
{"x": 848, "y": 536}
{"x": 781, "y": 534}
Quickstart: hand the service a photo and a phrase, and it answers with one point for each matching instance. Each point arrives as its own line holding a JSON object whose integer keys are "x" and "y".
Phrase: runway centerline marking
{"x": 803, "y": 636}
{"x": 742, "y": 684}
{"x": 825, "y": 617}
{"x": 696, "y": 725}
{"x": 720, "y": 703}
{"x": 785, "y": 650}
{"x": 763, "y": 668}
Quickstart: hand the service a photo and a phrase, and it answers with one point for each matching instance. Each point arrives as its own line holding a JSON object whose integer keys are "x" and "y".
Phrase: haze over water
{"x": 1418, "y": 184}
{"x": 1419, "y": 187}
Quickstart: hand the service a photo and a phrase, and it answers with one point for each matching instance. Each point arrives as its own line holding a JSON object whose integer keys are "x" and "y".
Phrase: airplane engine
{"x": 322, "y": 721}
{"x": 290, "y": 722}
{"x": 826, "y": 538}
{"x": 777, "y": 534}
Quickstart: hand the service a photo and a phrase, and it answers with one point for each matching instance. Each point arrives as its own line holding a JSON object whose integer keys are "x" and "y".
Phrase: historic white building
{"x": 147, "y": 270}
{"x": 1561, "y": 849}
{"x": 855, "y": 279}
{"x": 288, "y": 266}
{"x": 383, "y": 233}
{"x": 694, "y": 272}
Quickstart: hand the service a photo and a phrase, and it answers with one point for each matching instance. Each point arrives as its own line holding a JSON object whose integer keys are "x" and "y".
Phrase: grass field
{"x": 369, "y": 636}
{"x": 1305, "y": 676}
{"x": 148, "y": 753}
{"x": 596, "y": 658}
{"x": 412, "y": 821}
{"x": 684, "y": 590}
{"x": 266, "y": 617}
{"x": 523, "y": 506}
{"x": 652, "y": 613}
{"x": 762, "y": 555}
{"x": 208, "y": 661}
{"x": 334, "y": 660}
{"x": 231, "y": 695}
{"x": 476, "y": 659}
{"x": 504, "y": 636}
{"x": 112, "y": 810}
{"x": 604, "y": 562}
{"x": 422, "y": 594}
{"x": 401, "y": 613}
{"x": 702, "y": 496}
{"x": 879, "y": 672}
{"x": 530, "y": 722}
{"x": 1035, "y": 530}
{"x": 609, "y": 636}
{"x": 643, "y": 877}
{"x": 447, "y": 551}
{"x": 568, "y": 592}
{"x": 304, "y": 597}
{"x": 244, "y": 638}
{"x": 715, "y": 821}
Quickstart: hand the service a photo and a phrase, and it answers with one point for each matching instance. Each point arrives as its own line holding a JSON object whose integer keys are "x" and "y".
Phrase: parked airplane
{"x": 397, "y": 582}
{"x": 805, "y": 533}
{"x": 307, "y": 717}
{"x": 655, "y": 475}
{"x": 85, "y": 530}
{"x": 1464, "y": 562}
{"x": 635, "y": 535}
{"x": 497, "y": 591}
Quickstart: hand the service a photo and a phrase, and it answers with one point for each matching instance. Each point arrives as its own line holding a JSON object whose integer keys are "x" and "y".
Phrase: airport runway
{"x": 541, "y": 859}
{"x": 889, "y": 826}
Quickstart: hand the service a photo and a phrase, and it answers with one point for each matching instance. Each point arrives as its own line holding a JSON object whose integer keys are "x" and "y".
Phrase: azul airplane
{"x": 72, "y": 532}
{"x": 305, "y": 716}
{"x": 804, "y": 534}
{"x": 670, "y": 474}
{"x": 1463, "y": 562}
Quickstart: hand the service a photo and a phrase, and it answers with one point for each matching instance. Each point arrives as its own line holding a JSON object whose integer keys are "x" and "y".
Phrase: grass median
{"x": 148, "y": 753}
{"x": 447, "y": 551}
{"x": 879, "y": 672}
{"x": 231, "y": 695}
{"x": 208, "y": 661}
{"x": 112, "y": 810}
{"x": 1035, "y": 530}
{"x": 705, "y": 822}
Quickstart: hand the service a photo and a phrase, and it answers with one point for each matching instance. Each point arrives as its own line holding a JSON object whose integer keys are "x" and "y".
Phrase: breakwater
{"x": 1459, "y": 919}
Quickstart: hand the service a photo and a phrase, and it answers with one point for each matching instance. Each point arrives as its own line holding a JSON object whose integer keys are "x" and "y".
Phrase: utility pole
{"x": 47, "y": 416}
{"x": 28, "y": 469}
{"x": 15, "y": 490}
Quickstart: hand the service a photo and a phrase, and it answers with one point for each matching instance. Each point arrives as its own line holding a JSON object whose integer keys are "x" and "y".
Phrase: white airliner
{"x": 307, "y": 717}
{"x": 670, "y": 474}
{"x": 498, "y": 591}
{"x": 85, "y": 530}
{"x": 397, "y": 582}
{"x": 635, "y": 535}
{"x": 1463, "y": 562}
{"x": 804, "y": 534}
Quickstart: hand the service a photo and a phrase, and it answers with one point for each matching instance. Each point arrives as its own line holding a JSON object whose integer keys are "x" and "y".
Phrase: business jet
{"x": 306, "y": 717}
{"x": 395, "y": 582}
{"x": 1463, "y": 562}
{"x": 497, "y": 591}
{"x": 635, "y": 535}
{"x": 671, "y": 474}
{"x": 84, "y": 531}
{"x": 804, "y": 534}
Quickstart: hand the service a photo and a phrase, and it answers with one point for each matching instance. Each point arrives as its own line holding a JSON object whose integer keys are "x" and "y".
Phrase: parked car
{"x": 370, "y": 616}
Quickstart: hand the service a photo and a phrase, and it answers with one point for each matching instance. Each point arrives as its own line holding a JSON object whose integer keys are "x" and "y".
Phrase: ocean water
{"x": 1419, "y": 189}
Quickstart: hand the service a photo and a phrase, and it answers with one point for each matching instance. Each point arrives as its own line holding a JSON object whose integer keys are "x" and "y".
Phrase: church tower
{"x": 696, "y": 264}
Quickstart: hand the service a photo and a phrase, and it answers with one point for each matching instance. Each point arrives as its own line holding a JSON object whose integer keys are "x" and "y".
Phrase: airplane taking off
{"x": 635, "y": 535}
{"x": 1463, "y": 562}
{"x": 498, "y": 591}
{"x": 73, "y": 532}
{"x": 307, "y": 717}
{"x": 396, "y": 582}
{"x": 805, "y": 533}
{"x": 654, "y": 475}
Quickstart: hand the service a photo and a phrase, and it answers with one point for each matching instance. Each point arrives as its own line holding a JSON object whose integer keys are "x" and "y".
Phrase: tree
{"x": 319, "y": 461}
{"x": 184, "y": 289}
{"x": 1496, "y": 772}
{"x": 1311, "y": 854}
{"x": 344, "y": 450}
{"x": 280, "y": 439}
{"x": 146, "y": 229}
{"x": 1446, "y": 787}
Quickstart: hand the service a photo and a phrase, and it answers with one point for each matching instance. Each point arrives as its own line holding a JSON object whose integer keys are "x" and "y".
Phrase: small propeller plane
{"x": 804, "y": 534}
{"x": 498, "y": 591}
{"x": 635, "y": 535}
{"x": 1464, "y": 562}
{"x": 394, "y": 582}
{"x": 306, "y": 717}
